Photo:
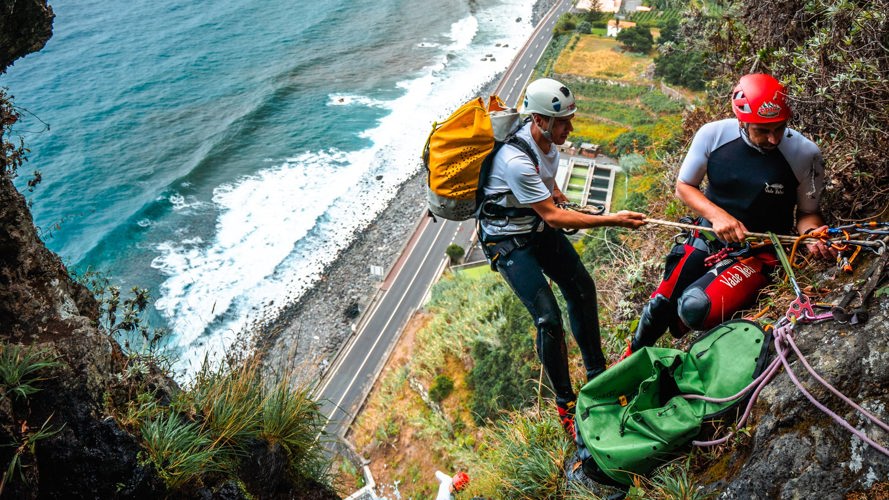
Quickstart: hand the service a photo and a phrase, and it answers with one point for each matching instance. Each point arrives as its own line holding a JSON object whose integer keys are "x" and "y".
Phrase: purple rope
{"x": 779, "y": 334}
{"x": 770, "y": 373}
{"x": 832, "y": 388}
{"x": 740, "y": 393}
{"x": 783, "y": 334}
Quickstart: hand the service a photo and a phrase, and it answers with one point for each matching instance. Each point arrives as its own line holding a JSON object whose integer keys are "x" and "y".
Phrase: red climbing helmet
{"x": 760, "y": 98}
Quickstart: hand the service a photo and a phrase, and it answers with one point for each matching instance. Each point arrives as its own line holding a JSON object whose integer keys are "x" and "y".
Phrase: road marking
{"x": 388, "y": 321}
{"x": 339, "y": 361}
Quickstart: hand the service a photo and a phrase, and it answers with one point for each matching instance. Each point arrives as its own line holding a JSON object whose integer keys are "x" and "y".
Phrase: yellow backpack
{"x": 458, "y": 156}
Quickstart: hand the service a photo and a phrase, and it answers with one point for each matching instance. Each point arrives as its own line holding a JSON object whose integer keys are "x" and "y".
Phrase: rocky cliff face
{"x": 42, "y": 309}
{"x": 797, "y": 451}
{"x": 25, "y": 27}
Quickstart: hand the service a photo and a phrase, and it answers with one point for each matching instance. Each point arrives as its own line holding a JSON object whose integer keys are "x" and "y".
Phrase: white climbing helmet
{"x": 548, "y": 98}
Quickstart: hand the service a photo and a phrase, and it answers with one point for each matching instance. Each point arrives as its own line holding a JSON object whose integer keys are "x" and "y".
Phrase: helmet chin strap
{"x": 548, "y": 133}
{"x": 746, "y": 136}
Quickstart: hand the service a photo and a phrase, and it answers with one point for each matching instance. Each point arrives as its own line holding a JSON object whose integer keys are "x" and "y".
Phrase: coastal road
{"x": 519, "y": 72}
{"x": 354, "y": 371}
{"x": 350, "y": 377}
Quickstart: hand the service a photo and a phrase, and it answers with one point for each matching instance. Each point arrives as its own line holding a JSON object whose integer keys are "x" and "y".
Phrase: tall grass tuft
{"x": 181, "y": 451}
{"x": 221, "y": 417}
{"x": 19, "y": 367}
{"x": 294, "y": 421}
{"x": 230, "y": 401}
{"x": 673, "y": 482}
{"x": 522, "y": 458}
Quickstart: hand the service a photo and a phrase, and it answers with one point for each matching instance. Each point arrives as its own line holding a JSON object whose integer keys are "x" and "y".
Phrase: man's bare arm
{"x": 570, "y": 219}
{"x": 726, "y": 227}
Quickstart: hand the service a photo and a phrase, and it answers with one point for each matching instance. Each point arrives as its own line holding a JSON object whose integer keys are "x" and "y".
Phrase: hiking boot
{"x": 595, "y": 372}
{"x": 566, "y": 418}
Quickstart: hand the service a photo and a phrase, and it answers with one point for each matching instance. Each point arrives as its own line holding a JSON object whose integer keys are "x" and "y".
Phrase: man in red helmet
{"x": 761, "y": 176}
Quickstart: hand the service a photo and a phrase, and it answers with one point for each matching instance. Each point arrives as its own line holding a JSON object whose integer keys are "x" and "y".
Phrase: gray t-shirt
{"x": 514, "y": 173}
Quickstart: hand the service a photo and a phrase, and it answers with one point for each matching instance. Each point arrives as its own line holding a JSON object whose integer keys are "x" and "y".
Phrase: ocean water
{"x": 220, "y": 154}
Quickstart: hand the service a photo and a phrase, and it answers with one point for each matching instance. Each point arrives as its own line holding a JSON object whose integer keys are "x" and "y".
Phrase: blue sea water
{"x": 222, "y": 153}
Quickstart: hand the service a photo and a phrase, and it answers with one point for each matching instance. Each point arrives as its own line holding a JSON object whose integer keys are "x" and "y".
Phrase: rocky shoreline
{"x": 303, "y": 337}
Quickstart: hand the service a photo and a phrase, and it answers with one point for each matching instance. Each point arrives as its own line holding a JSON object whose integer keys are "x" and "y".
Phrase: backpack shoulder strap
{"x": 524, "y": 147}
{"x": 513, "y": 140}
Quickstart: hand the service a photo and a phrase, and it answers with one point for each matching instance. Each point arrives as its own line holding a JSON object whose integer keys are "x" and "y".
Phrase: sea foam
{"x": 278, "y": 229}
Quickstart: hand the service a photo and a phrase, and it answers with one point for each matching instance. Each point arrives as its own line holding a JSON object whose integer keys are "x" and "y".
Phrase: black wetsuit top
{"x": 759, "y": 188}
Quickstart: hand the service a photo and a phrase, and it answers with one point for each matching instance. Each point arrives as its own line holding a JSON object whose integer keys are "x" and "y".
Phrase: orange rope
{"x": 762, "y": 312}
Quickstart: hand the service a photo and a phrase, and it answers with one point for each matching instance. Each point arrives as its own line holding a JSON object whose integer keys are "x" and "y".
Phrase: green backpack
{"x": 633, "y": 418}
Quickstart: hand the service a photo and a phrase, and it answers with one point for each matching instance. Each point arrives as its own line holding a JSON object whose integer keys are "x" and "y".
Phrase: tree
{"x": 455, "y": 252}
{"x": 682, "y": 67}
{"x": 669, "y": 32}
{"x": 566, "y": 24}
{"x": 442, "y": 387}
{"x": 636, "y": 39}
{"x": 595, "y": 13}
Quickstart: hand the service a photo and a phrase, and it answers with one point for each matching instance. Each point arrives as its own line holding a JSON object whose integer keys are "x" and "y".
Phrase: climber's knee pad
{"x": 694, "y": 308}
{"x": 548, "y": 320}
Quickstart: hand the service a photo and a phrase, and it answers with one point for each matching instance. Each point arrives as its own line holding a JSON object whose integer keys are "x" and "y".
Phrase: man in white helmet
{"x": 519, "y": 228}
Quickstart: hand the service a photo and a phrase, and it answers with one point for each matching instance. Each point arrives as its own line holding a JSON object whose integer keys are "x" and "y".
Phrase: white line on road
{"x": 400, "y": 300}
{"x": 376, "y": 306}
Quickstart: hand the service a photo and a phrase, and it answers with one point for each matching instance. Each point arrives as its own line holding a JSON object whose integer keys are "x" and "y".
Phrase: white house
{"x": 604, "y": 5}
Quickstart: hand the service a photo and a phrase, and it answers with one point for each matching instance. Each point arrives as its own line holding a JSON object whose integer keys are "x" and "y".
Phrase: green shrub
{"x": 629, "y": 114}
{"x": 636, "y": 39}
{"x": 683, "y": 66}
{"x": 608, "y": 92}
{"x": 504, "y": 369}
{"x": 659, "y": 103}
{"x": 566, "y": 24}
{"x": 455, "y": 252}
{"x": 442, "y": 387}
{"x": 631, "y": 142}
